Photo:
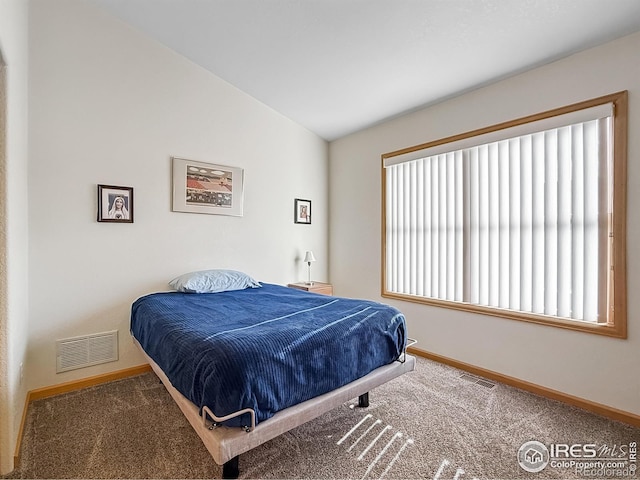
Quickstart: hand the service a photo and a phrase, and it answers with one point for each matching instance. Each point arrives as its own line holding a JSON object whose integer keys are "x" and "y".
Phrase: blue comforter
{"x": 264, "y": 348}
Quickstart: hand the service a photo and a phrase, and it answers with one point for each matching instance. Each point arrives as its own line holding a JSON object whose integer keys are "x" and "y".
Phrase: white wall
{"x": 110, "y": 106}
{"x": 13, "y": 222}
{"x": 592, "y": 367}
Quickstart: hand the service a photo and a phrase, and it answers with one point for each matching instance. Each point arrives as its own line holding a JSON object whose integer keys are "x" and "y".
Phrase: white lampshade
{"x": 308, "y": 257}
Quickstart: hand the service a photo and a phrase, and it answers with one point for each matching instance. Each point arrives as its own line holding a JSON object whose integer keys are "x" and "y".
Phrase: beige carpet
{"x": 426, "y": 424}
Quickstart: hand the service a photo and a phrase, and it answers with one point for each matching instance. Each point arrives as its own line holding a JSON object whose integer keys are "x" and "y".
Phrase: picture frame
{"x": 115, "y": 204}
{"x": 302, "y": 211}
{"x": 200, "y": 187}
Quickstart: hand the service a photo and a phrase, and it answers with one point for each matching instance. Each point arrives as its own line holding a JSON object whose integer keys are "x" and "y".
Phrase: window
{"x": 524, "y": 220}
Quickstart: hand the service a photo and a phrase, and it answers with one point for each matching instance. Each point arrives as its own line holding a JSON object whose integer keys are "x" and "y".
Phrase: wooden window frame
{"x": 616, "y": 325}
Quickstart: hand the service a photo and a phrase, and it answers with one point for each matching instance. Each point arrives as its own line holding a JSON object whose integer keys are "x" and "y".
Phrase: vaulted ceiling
{"x": 337, "y": 66}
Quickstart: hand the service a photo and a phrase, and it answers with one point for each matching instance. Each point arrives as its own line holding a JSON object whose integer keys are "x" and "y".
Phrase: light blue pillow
{"x": 213, "y": 281}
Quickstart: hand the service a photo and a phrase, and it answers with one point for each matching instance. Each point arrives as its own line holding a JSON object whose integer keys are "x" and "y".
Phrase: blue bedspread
{"x": 264, "y": 348}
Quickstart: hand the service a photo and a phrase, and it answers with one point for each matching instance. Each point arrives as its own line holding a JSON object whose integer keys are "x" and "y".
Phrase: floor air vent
{"x": 80, "y": 352}
{"x": 477, "y": 380}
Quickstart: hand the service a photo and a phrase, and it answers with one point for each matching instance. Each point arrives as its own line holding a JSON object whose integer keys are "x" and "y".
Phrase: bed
{"x": 247, "y": 365}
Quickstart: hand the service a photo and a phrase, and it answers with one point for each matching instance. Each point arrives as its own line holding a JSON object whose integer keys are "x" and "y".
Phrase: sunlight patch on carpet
{"x": 445, "y": 463}
{"x": 375, "y": 427}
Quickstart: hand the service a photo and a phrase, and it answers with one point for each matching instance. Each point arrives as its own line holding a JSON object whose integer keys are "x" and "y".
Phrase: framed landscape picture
{"x": 115, "y": 204}
{"x": 302, "y": 211}
{"x": 200, "y": 187}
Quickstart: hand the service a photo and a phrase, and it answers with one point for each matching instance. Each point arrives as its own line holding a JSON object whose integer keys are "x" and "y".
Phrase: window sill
{"x": 617, "y": 330}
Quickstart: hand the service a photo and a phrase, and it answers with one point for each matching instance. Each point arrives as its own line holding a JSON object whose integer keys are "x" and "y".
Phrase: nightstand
{"x": 317, "y": 287}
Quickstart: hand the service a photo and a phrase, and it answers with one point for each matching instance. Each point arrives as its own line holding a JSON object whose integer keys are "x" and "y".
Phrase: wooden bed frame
{"x": 226, "y": 444}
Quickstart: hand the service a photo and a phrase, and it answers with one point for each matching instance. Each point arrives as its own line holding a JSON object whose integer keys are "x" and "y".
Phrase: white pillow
{"x": 212, "y": 281}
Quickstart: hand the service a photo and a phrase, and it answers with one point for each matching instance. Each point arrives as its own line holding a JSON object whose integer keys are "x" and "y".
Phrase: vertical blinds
{"x": 519, "y": 223}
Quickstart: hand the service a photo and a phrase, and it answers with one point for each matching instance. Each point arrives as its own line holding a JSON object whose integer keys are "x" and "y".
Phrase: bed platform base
{"x": 226, "y": 444}
{"x": 231, "y": 469}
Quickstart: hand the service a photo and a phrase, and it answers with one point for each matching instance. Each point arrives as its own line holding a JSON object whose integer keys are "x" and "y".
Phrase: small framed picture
{"x": 115, "y": 204}
{"x": 302, "y": 211}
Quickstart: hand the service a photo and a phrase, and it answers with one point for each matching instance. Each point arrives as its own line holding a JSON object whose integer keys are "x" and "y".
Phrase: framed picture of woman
{"x": 302, "y": 211}
{"x": 115, "y": 204}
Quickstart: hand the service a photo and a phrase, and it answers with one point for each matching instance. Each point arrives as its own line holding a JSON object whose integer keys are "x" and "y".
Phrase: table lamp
{"x": 308, "y": 257}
